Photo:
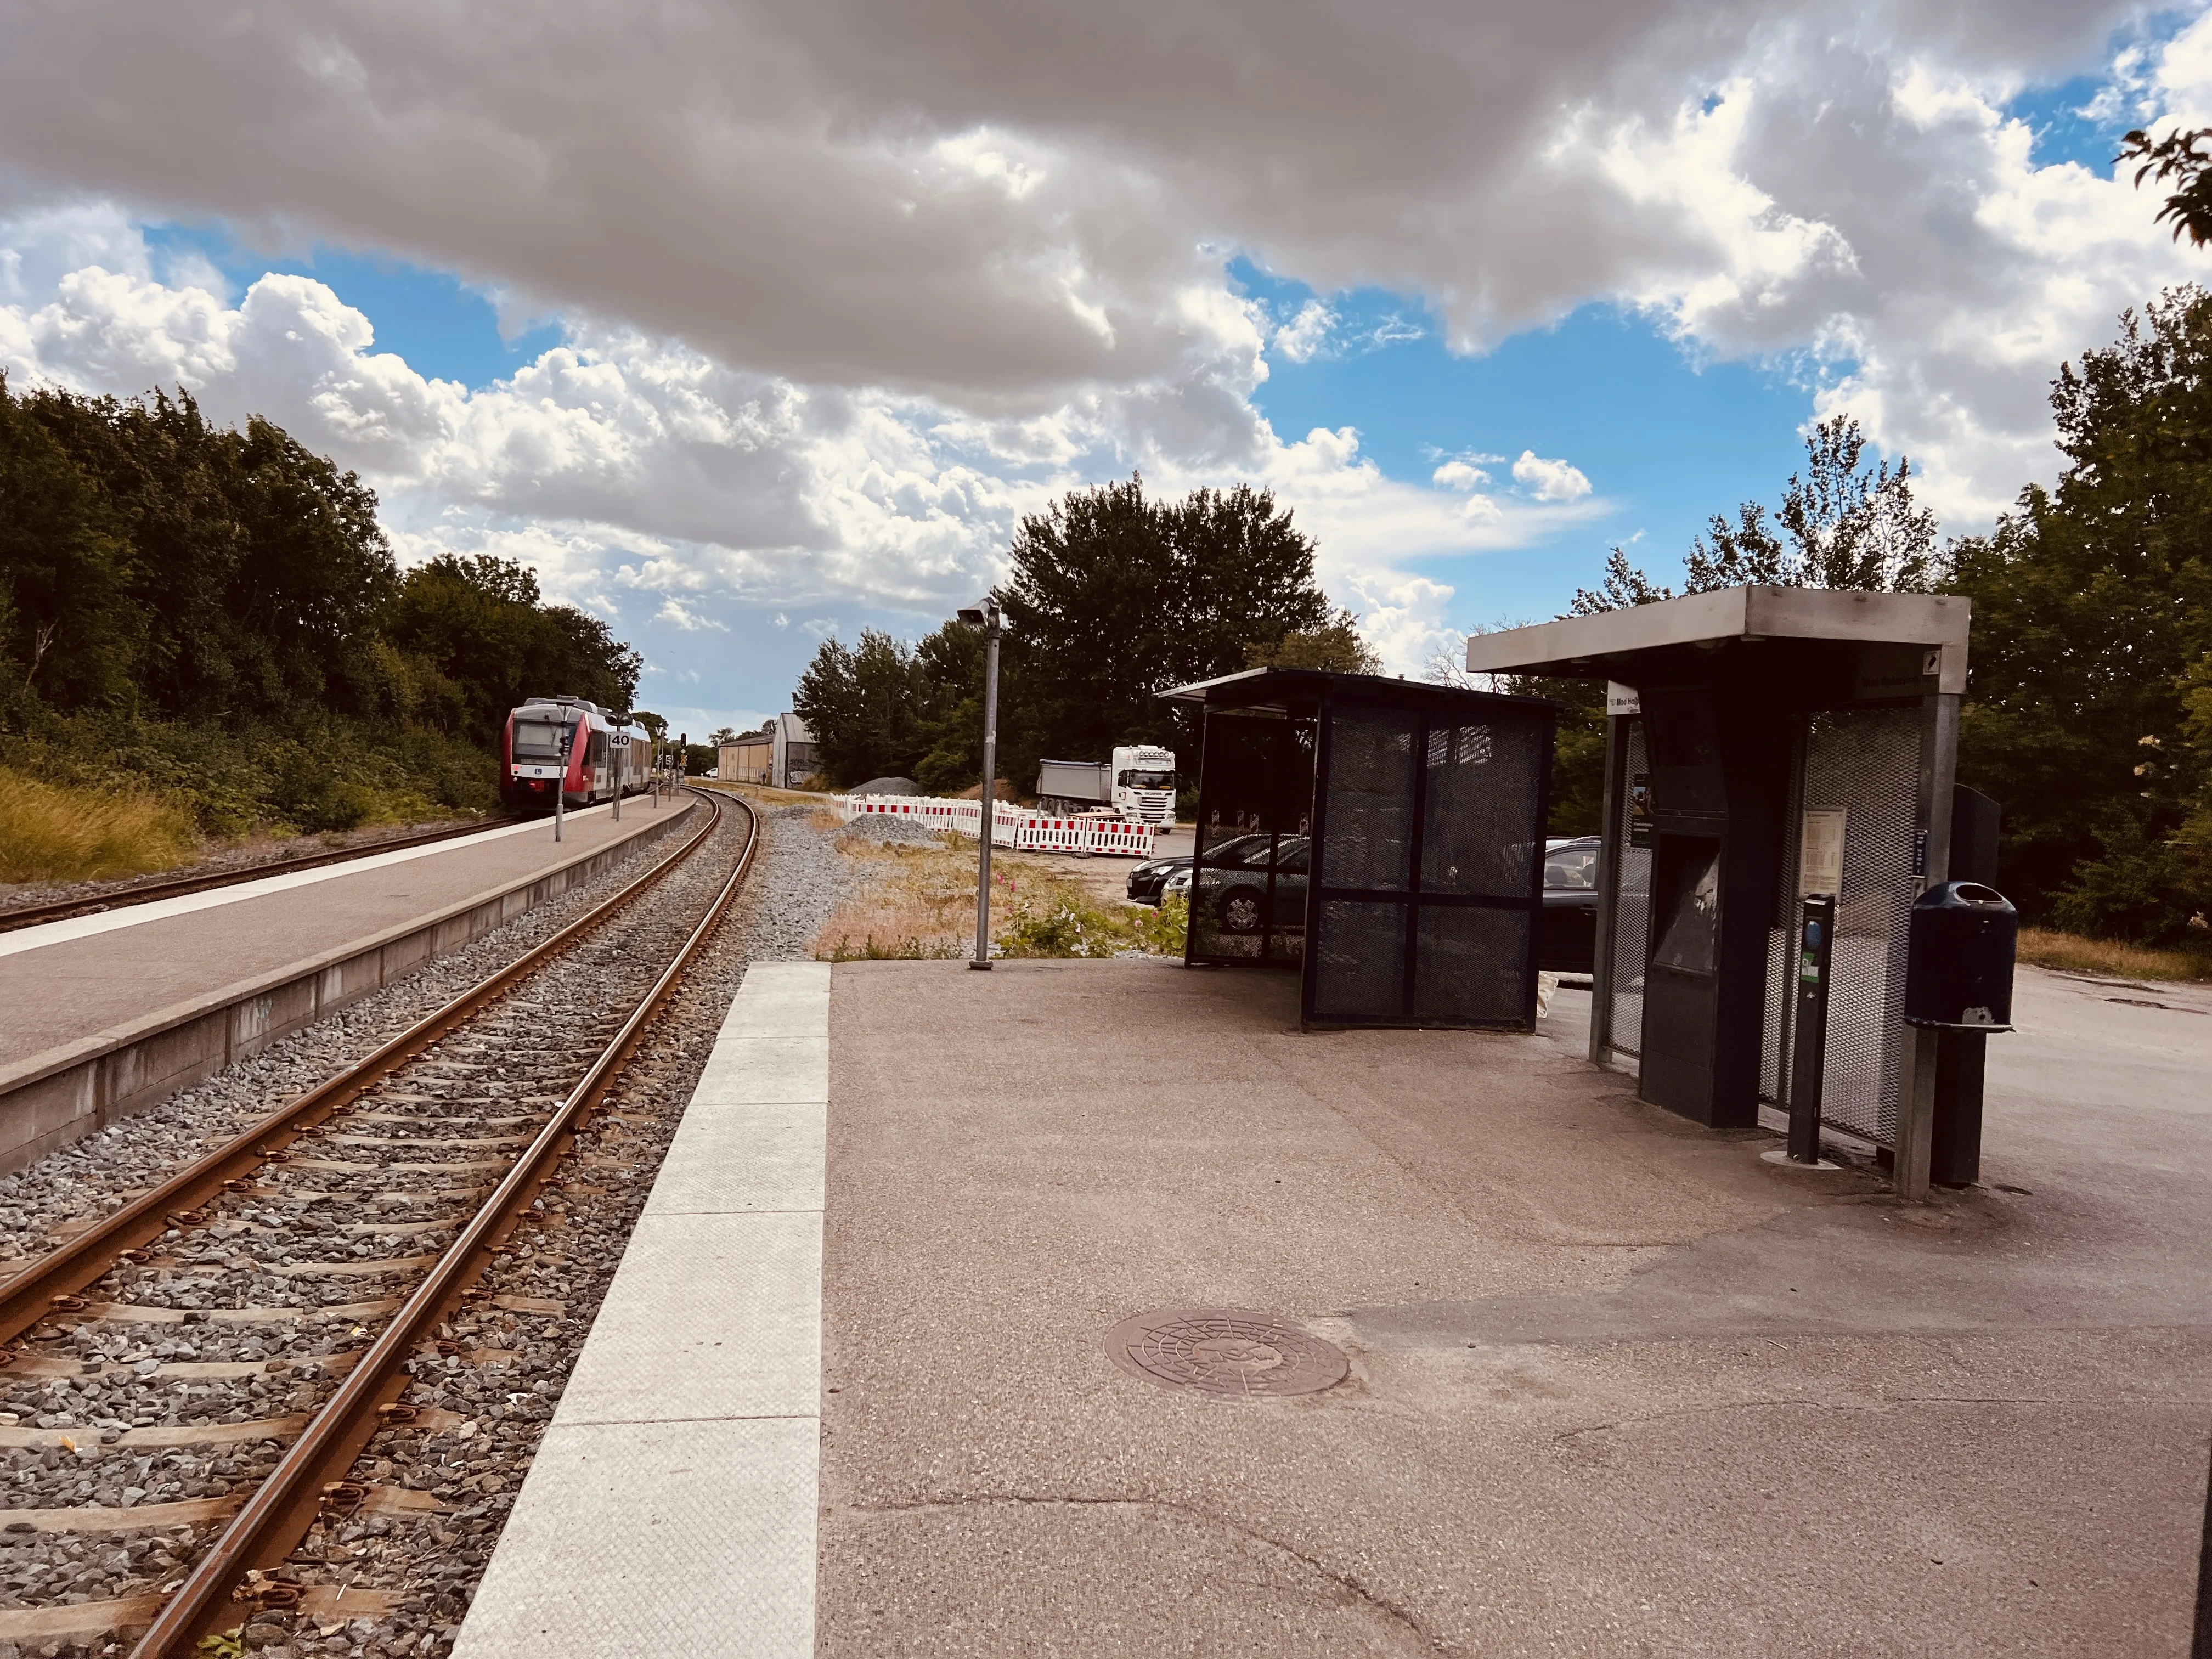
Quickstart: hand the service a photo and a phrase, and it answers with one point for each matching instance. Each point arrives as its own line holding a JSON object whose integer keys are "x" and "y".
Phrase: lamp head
{"x": 972, "y": 615}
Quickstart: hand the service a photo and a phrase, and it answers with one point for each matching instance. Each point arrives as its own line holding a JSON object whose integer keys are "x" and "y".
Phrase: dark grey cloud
{"x": 994, "y": 202}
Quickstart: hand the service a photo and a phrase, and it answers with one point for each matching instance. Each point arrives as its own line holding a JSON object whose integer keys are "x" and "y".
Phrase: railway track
{"x": 216, "y": 1355}
{"x": 90, "y": 905}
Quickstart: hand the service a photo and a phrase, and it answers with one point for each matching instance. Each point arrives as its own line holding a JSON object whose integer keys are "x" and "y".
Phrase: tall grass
{"x": 2073, "y": 953}
{"x": 60, "y": 832}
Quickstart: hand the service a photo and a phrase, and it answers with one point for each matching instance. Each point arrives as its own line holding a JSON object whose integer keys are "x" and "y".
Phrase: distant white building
{"x": 795, "y": 758}
{"x": 783, "y": 755}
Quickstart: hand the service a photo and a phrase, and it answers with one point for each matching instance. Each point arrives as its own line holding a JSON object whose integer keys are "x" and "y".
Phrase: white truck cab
{"x": 1145, "y": 786}
{"x": 1138, "y": 784}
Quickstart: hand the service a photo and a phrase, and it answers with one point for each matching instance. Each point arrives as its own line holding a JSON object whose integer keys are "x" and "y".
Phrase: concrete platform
{"x": 671, "y": 1509}
{"x": 1616, "y": 1386}
{"x": 102, "y": 1015}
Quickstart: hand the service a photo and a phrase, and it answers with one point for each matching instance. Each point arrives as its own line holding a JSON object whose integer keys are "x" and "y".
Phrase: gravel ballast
{"x": 482, "y": 1397}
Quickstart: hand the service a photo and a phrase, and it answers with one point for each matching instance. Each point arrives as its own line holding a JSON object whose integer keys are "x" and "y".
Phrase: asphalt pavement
{"x": 1614, "y": 1384}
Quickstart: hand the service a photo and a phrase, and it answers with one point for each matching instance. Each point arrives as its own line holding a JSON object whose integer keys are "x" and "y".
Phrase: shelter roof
{"x": 1299, "y": 691}
{"x": 1606, "y": 645}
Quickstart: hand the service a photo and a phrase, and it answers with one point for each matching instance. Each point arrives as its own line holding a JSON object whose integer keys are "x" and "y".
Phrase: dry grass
{"x": 759, "y": 792}
{"x": 914, "y": 902}
{"x": 2073, "y": 954}
{"x": 920, "y": 902}
{"x": 52, "y": 832}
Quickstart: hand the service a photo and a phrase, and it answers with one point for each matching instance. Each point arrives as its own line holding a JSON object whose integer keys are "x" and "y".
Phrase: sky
{"x": 749, "y": 326}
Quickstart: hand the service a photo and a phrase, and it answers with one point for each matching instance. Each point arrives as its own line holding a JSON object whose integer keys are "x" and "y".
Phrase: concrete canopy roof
{"x": 1595, "y": 647}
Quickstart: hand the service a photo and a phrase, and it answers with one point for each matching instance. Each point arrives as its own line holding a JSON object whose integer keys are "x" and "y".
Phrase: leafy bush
{"x": 1163, "y": 932}
{"x": 1067, "y": 923}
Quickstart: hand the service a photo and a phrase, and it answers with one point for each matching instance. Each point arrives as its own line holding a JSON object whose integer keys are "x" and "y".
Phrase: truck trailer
{"x": 1138, "y": 784}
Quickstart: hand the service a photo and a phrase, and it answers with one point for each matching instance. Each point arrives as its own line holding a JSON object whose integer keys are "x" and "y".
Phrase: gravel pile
{"x": 896, "y": 832}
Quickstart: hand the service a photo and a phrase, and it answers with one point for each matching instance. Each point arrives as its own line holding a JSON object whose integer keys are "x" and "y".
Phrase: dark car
{"x": 1145, "y": 881}
{"x": 1568, "y": 944}
{"x": 1234, "y": 883}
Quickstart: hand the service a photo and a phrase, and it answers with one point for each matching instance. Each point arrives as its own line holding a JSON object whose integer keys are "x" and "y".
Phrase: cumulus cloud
{"x": 847, "y": 287}
{"x": 1549, "y": 481}
{"x": 641, "y": 479}
{"x": 996, "y": 203}
{"x": 1302, "y": 337}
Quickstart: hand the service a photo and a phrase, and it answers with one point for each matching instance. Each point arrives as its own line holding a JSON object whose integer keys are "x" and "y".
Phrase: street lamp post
{"x": 987, "y": 617}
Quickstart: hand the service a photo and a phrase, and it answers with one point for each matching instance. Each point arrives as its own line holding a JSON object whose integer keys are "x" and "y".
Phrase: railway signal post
{"x": 621, "y": 760}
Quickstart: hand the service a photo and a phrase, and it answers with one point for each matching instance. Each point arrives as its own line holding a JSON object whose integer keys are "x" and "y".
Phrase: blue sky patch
{"x": 1667, "y": 442}
{"x": 445, "y": 329}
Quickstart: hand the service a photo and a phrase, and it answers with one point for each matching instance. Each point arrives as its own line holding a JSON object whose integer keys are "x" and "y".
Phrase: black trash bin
{"x": 1959, "y": 981}
{"x": 1958, "y": 976}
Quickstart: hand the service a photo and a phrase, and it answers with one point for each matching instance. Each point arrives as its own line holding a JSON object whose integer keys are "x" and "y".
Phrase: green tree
{"x": 861, "y": 703}
{"x": 2177, "y": 156}
{"x": 480, "y": 628}
{"x": 1114, "y": 598}
{"x": 67, "y": 628}
{"x": 216, "y": 612}
{"x": 1335, "y": 647}
{"x": 2092, "y": 628}
{"x": 1841, "y": 524}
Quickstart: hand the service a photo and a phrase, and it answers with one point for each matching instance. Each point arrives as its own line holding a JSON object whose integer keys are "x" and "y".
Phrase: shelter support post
{"x": 1939, "y": 773}
{"x": 1608, "y": 889}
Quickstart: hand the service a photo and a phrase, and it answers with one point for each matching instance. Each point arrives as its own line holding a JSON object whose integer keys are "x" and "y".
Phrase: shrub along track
{"x": 204, "y": 1367}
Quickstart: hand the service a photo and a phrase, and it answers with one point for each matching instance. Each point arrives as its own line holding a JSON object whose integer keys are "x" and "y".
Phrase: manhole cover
{"x": 1229, "y": 1351}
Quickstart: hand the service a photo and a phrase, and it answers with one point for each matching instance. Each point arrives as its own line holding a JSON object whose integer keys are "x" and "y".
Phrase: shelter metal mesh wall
{"x": 1632, "y": 930}
{"x": 1430, "y": 865}
{"x": 1248, "y": 901}
{"x": 1867, "y": 761}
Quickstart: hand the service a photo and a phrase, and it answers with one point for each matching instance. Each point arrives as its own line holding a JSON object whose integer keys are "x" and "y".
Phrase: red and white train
{"x": 600, "y": 759}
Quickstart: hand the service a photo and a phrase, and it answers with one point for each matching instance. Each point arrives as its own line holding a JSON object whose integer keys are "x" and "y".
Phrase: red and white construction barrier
{"x": 1011, "y": 826}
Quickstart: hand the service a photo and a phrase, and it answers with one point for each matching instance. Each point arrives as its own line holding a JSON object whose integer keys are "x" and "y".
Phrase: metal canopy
{"x": 1809, "y": 628}
{"x": 1384, "y": 837}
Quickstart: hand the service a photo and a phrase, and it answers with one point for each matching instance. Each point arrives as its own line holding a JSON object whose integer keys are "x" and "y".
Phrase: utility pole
{"x": 987, "y": 617}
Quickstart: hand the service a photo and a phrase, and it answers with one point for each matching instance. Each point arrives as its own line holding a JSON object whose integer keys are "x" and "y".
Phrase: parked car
{"x": 1234, "y": 883}
{"x": 1568, "y": 941}
{"x": 1148, "y": 877}
{"x": 1147, "y": 880}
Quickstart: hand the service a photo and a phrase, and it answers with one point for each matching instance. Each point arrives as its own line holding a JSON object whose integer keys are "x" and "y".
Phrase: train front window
{"x": 537, "y": 740}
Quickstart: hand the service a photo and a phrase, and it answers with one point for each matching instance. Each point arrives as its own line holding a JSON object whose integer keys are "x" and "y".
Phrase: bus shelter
{"x": 1384, "y": 839}
{"x": 1764, "y": 744}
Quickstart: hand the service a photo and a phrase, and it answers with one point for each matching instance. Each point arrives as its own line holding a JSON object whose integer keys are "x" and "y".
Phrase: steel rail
{"x": 33, "y": 915}
{"x": 286, "y": 1503}
{"x": 45, "y": 1286}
